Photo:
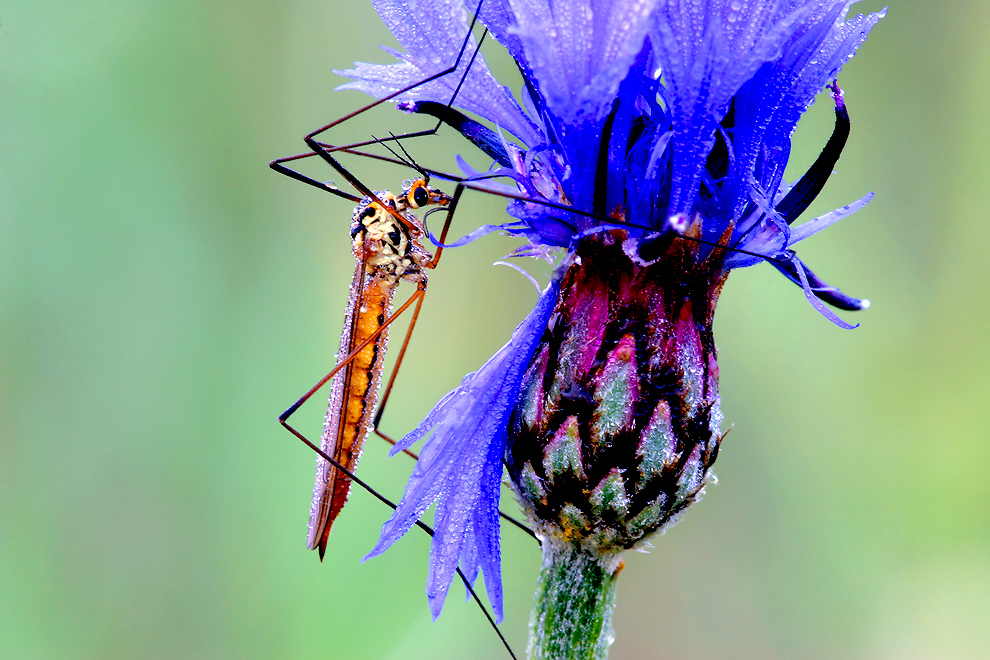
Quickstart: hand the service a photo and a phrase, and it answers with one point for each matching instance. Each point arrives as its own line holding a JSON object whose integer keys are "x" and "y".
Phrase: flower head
{"x": 653, "y": 137}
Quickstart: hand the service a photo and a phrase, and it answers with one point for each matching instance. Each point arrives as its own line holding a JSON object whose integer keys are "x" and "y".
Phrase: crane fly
{"x": 385, "y": 237}
{"x": 346, "y": 429}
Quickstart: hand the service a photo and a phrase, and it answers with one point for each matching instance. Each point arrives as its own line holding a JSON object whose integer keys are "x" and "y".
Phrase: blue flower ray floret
{"x": 461, "y": 465}
{"x": 433, "y": 44}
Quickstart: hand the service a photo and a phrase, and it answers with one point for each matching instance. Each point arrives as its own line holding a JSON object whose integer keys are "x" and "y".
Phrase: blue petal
{"x": 812, "y": 227}
{"x": 498, "y": 17}
{"x": 817, "y": 291}
{"x": 769, "y": 105}
{"x": 483, "y": 230}
{"x": 433, "y": 45}
{"x": 706, "y": 52}
{"x": 786, "y": 51}
{"x": 580, "y": 50}
{"x": 461, "y": 464}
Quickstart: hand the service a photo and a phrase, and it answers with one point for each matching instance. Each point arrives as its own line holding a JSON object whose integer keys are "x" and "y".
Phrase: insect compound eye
{"x": 420, "y": 196}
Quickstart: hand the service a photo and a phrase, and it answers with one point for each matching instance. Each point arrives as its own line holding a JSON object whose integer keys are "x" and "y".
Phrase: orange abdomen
{"x": 353, "y": 398}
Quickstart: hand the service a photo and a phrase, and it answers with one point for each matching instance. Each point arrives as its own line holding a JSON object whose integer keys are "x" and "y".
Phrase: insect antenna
{"x": 412, "y": 161}
{"x": 400, "y": 159}
{"x": 405, "y": 159}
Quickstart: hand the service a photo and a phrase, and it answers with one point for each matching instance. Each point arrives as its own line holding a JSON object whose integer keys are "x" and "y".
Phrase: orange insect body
{"x": 385, "y": 239}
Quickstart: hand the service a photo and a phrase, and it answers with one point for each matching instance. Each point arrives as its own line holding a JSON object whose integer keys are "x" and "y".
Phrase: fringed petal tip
{"x": 579, "y": 51}
{"x": 431, "y": 45}
{"x": 812, "y": 227}
{"x": 460, "y": 466}
{"x": 818, "y": 292}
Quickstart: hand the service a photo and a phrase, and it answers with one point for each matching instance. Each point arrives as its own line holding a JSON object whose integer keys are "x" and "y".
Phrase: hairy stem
{"x": 575, "y": 597}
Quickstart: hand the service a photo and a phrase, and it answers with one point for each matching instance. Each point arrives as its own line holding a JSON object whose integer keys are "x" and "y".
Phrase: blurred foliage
{"x": 163, "y": 296}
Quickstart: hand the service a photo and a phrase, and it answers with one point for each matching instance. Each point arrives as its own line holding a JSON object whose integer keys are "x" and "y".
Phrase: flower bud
{"x": 618, "y": 425}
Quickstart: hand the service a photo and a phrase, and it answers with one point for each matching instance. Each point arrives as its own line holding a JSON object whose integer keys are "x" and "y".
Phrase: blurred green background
{"x": 163, "y": 296}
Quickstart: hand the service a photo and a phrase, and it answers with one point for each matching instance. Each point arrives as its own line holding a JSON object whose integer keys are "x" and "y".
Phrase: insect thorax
{"x": 388, "y": 246}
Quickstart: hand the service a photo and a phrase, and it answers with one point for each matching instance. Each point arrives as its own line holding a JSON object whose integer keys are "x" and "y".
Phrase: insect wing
{"x": 353, "y": 395}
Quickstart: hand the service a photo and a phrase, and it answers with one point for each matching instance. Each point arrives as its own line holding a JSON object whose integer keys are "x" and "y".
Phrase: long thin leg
{"x": 343, "y": 363}
{"x": 451, "y": 208}
{"x": 419, "y": 305}
{"x": 405, "y": 344}
{"x": 416, "y": 298}
{"x": 388, "y": 390}
{"x": 412, "y": 86}
{"x": 324, "y": 149}
{"x": 398, "y": 362}
{"x": 477, "y": 184}
{"x": 279, "y": 166}
{"x": 426, "y": 528}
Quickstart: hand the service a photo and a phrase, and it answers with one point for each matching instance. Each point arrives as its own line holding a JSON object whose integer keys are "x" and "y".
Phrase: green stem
{"x": 575, "y": 596}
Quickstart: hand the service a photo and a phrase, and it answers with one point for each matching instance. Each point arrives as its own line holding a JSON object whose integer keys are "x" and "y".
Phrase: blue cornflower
{"x": 656, "y": 134}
